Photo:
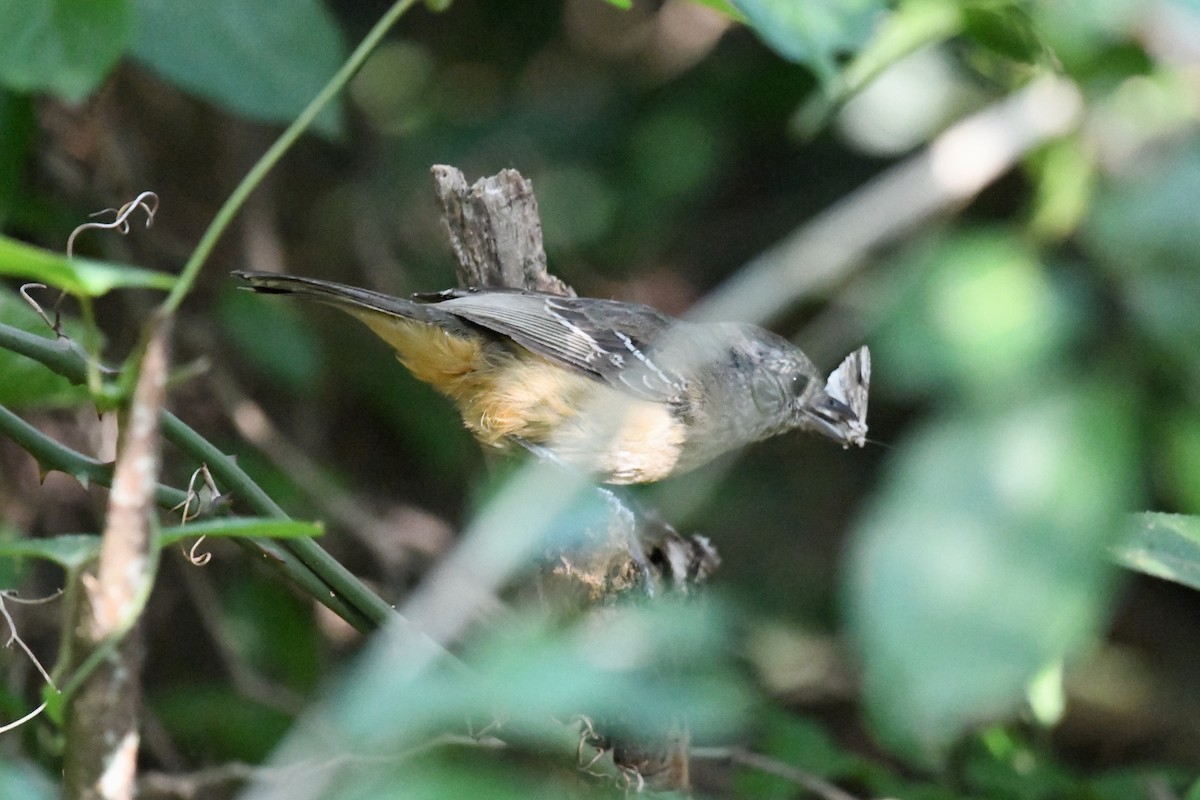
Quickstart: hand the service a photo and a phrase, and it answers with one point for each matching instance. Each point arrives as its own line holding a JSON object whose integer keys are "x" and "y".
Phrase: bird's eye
{"x": 799, "y": 384}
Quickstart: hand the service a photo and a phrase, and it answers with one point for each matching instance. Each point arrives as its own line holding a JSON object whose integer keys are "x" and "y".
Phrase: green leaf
{"x": 725, "y": 7}
{"x": 265, "y": 60}
{"x": 814, "y": 32}
{"x": 1163, "y": 545}
{"x": 73, "y": 550}
{"x": 261, "y": 527}
{"x": 276, "y": 337}
{"x": 79, "y": 276}
{"x": 982, "y": 561}
{"x": 643, "y": 666}
{"x": 28, "y": 383}
{"x": 978, "y": 312}
{"x": 910, "y": 26}
{"x": 1143, "y": 227}
{"x": 69, "y": 550}
{"x": 65, "y": 47}
{"x": 216, "y": 723}
{"x": 1006, "y": 29}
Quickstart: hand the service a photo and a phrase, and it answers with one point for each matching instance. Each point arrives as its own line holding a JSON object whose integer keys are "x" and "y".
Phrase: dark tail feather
{"x": 337, "y": 294}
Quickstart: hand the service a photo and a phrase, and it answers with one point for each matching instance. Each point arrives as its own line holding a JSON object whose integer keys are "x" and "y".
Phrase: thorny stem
{"x": 314, "y": 570}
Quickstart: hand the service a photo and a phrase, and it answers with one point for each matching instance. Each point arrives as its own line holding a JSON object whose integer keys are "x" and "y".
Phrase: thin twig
{"x": 15, "y": 638}
{"x": 810, "y": 782}
{"x": 314, "y": 570}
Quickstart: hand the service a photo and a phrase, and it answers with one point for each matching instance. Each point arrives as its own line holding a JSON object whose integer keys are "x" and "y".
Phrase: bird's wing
{"x": 610, "y": 340}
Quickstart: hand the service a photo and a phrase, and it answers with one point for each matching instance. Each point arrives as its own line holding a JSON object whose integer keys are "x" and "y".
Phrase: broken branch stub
{"x": 495, "y": 231}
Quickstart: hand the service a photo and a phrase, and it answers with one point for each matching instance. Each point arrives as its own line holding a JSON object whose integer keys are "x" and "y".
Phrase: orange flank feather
{"x": 505, "y": 392}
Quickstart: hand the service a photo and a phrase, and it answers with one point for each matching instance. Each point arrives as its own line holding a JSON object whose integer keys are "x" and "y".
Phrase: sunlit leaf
{"x": 80, "y": 276}
{"x": 65, "y": 47}
{"x": 1163, "y": 545}
{"x": 265, "y": 60}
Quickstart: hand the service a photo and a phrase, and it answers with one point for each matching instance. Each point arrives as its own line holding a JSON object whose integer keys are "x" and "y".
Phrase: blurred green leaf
{"x": 1005, "y": 27}
{"x": 270, "y": 629}
{"x": 815, "y": 32}
{"x": 65, "y": 47}
{"x": 975, "y": 311}
{"x": 637, "y": 668}
{"x": 1180, "y": 462}
{"x": 982, "y": 560}
{"x": 19, "y": 779}
{"x": 726, "y": 7}
{"x": 910, "y": 26}
{"x": 26, "y": 382}
{"x": 1065, "y": 172}
{"x": 1163, "y": 545}
{"x": 216, "y": 723}
{"x": 1143, "y": 221}
{"x": 79, "y": 276}
{"x": 265, "y": 60}
{"x": 276, "y": 337}
{"x": 1143, "y": 227}
{"x": 69, "y": 550}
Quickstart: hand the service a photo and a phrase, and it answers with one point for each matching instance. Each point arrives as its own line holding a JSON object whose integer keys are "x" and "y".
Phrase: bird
{"x": 616, "y": 389}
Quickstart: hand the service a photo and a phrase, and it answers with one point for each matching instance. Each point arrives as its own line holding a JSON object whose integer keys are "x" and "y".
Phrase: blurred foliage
{"x": 948, "y": 598}
{"x": 264, "y": 60}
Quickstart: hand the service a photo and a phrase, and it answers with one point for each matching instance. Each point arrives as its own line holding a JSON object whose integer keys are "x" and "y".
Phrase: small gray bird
{"x": 619, "y": 390}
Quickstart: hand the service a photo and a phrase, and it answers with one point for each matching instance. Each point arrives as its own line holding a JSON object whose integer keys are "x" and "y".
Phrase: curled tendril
{"x": 195, "y": 558}
{"x": 147, "y": 201}
{"x": 55, "y": 324}
{"x": 198, "y": 559}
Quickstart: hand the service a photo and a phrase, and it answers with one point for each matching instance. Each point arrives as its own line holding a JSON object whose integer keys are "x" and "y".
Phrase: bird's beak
{"x": 833, "y": 418}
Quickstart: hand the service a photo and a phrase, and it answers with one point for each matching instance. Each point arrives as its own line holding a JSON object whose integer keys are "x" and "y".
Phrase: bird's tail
{"x": 358, "y": 302}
